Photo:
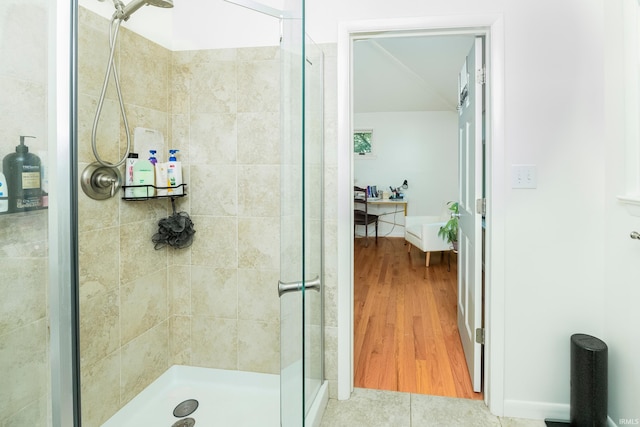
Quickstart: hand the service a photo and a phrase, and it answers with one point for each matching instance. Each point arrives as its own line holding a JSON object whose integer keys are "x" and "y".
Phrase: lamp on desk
{"x": 396, "y": 193}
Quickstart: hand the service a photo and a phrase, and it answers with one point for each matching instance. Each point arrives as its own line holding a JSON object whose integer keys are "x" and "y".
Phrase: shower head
{"x": 128, "y": 10}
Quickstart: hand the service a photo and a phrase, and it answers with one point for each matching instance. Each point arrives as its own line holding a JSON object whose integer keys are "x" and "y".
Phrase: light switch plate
{"x": 524, "y": 176}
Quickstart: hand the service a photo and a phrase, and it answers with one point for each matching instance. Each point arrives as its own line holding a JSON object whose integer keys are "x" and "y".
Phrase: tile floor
{"x": 376, "y": 408}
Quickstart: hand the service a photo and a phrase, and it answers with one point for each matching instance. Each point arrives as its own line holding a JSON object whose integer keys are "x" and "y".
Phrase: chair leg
{"x": 376, "y": 231}
{"x": 428, "y": 257}
{"x": 366, "y": 235}
{"x": 408, "y": 247}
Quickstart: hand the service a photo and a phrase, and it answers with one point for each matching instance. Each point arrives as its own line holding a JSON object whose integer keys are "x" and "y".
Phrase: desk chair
{"x": 363, "y": 217}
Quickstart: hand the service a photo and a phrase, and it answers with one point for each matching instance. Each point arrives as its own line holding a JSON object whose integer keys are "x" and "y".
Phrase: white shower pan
{"x": 240, "y": 399}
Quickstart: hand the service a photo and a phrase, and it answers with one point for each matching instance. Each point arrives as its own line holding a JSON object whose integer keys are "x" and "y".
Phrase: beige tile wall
{"x": 24, "y": 355}
{"x": 124, "y": 293}
{"x": 225, "y": 115}
{"x": 330, "y": 177}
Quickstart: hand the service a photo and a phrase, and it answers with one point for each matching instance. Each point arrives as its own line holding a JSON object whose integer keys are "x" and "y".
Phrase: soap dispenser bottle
{"x": 22, "y": 172}
{"x": 174, "y": 174}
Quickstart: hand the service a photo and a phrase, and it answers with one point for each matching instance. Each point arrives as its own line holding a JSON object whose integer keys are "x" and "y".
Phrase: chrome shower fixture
{"x": 124, "y": 12}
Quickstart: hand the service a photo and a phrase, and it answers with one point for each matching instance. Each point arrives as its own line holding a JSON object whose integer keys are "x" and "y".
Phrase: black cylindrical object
{"x": 588, "y": 381}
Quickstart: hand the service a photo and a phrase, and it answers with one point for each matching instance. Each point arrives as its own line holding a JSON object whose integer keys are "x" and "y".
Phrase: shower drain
{"x": 183, "y": 409}
{"x": 187, "y": 422}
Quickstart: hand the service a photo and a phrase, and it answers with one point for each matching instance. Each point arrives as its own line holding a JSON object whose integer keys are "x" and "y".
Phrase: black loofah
{"x": 176, "y": 231}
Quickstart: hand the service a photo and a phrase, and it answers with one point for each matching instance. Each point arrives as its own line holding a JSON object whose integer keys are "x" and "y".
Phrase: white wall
{"x": 155, "y": 23}
{"x": 420, "y": 147}
{"x": 199, "y": 24}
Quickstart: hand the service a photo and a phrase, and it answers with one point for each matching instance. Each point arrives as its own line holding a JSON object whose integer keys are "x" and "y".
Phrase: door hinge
{"x": 480, "y": 335}
{"x": 481, "y": 75}
{"x": 481, "y": 206}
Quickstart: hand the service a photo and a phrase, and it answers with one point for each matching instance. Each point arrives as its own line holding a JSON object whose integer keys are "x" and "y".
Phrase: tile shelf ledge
{"x": 631, "y": 203}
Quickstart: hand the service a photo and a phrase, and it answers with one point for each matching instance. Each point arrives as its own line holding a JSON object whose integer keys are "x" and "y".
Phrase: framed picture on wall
{"x": 363, "y": 143}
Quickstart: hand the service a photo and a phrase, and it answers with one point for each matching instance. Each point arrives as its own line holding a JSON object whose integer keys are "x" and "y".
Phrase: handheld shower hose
{"x": 113, "y": 36}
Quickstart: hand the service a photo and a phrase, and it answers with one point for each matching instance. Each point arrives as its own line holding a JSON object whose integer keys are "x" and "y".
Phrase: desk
{"x": 382, "y": 202}
{"x": 386, "y": 205}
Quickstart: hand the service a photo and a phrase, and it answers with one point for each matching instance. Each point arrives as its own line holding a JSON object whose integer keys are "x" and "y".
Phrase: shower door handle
{"x": 286, "y": 287}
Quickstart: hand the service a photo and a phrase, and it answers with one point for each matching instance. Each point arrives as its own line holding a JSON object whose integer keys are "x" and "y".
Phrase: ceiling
{"x": 410, "y": 73}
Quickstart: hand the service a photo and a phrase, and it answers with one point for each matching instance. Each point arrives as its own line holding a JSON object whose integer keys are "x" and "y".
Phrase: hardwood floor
{"x": 405, "y": 332}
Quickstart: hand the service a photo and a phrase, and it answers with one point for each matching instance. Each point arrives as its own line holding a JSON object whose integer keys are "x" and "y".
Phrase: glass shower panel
{"x": 301, "y": 306}
{"x": 292, "y": 406}
{"x": 24, "y": 310}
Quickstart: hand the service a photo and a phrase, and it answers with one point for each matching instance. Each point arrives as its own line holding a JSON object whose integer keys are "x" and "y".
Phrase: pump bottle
{"x": 22, "y": 172}
{"x": 174, "y": 174}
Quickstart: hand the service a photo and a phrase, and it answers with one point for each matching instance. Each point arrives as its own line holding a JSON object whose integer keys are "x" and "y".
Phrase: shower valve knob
{"x": 100, "y": 182}
{"x": 114, "y": 187}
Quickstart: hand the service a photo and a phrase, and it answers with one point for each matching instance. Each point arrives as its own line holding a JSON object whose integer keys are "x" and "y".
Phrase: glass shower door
{"x": 300, "y": 287}
{"x": 24, "y": 351}
{"x": 30, "y": 240}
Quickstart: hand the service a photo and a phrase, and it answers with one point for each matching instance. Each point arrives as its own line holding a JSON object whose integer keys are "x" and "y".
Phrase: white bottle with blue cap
{"x": 174, "y": 174}
{"x": 4, "y": 194}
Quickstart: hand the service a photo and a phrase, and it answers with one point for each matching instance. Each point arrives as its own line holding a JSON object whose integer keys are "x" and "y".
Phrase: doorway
{"x": 406, "y": 336}
{"x": 492, "y": 28}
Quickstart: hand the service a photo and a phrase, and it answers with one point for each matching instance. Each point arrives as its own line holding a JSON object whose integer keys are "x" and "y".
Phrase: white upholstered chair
{"x": 422, "y": 232}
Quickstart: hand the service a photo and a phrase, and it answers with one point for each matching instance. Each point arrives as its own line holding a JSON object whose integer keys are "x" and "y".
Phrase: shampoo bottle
{"x": 174, "y": 174}
{"x": 4, "y": 194}
{"x": 144, "y": 176}
{"x": 22, "y": 172}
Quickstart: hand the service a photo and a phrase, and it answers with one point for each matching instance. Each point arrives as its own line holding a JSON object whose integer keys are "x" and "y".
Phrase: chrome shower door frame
{"x": 63, "y": 214}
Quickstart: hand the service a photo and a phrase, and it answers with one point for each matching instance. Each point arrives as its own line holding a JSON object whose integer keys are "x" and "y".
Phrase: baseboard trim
{"x": 536, "y": 410}
{"x": 541, "y": 410}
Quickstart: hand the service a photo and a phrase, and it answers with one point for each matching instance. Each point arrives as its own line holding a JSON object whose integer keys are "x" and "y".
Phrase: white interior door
{"x": 470, "y": 233}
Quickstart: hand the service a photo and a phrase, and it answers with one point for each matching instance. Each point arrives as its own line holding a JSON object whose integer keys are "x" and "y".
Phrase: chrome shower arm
{"x": 119, "y": 5}
{"x": 124, "y": 12}
{"x": 129, "y": 9}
